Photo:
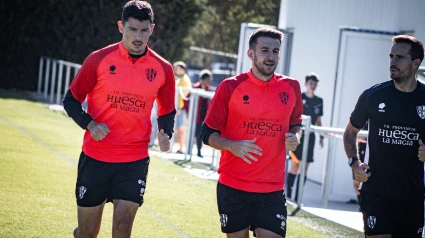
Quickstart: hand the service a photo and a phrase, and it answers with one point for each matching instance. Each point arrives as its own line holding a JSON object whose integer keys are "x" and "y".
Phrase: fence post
{"x": 306, "y": 141}
{"x": 46, "y": 77}
{"x": 189, "y": 122}
{"x": 327, "y": 175}
{"x": 53, "y": 82}
{"x": 193, "y": 124}
{"x": 40, "y": 75}
{"x": 67, "y": 76}
{"x": 59, "y": 93}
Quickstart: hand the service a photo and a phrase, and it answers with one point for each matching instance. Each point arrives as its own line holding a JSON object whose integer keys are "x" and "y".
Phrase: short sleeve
{"x": 360, "y": 115}
{"x": 296, "y": 116}
{"x": 166, "y": 94}
{"x": 217, "y": 112}
{"x": 86, "y": 78}
{"x": 320, "y": 108}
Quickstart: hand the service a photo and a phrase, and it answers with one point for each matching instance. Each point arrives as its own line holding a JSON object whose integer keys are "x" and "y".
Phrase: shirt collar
{"x": 257, "y": 81}
{"x": 124, "y": 52}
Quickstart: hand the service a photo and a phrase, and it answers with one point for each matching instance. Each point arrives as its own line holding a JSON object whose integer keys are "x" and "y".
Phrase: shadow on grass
{"x": 16, "y": 94}
{"x": 190, "y": 164}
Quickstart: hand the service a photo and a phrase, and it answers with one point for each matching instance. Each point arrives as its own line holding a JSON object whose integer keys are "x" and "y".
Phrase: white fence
{"x": 55, "y": 79}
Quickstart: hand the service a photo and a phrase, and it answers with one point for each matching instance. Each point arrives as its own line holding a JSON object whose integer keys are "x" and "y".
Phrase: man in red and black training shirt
{"x": 253, "y": 118}
{"x": 392, "y": 175}
{"x": 121, "y": 83}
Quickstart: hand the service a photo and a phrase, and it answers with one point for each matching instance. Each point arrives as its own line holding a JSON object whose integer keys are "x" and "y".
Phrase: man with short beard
{"x": 253, "y": 118}
{"x": 392, "y": 175}
{"x": 121, "y": 83}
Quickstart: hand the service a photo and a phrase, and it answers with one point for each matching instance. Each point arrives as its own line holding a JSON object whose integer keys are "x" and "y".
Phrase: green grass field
{"x": 38, "y": 156}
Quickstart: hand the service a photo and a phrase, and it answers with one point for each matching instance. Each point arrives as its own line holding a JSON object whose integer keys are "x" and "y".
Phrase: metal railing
{"x": 332, "y": 134}
{"x": 53, "y": 80}
{"x": 195, "y": 94}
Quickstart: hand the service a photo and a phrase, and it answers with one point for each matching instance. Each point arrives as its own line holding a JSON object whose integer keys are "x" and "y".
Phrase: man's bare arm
{"x": 350, "y": 141}
{"x": 350, "y": 145}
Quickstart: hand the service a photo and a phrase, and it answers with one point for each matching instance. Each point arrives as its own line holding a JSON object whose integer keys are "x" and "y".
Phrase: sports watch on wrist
{"x": 352, "y": 160}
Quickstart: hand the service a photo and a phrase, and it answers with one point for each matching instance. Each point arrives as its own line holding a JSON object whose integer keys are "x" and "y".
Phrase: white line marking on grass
{"x": 39, "y": 141}
{"x": 60, "y": 154}
{"x": 166, "y": 223}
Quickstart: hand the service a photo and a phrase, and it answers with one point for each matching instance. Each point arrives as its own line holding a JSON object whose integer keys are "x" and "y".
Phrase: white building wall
{"x": 316, "y": 23}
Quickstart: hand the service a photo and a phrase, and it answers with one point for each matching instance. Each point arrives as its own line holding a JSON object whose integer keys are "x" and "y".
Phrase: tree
{"x": 70, "y": 30}
{"x": 219, "y": 25}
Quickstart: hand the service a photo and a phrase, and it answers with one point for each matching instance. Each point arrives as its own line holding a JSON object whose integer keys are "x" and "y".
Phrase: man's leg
{"x": 271, "y": 215}
{"x": 123, "y": 218}
{"x": 378, "y": 213}
{"x": 298, "y": 180}
{"x": 180, "y": 138}
{"x": 198, "y": 139}
{"x": 181, "y": 130}
{"x": 261, "y": 233}
{"x": 89, "y": 220}
{"x": 91, "y": 192}
{"x": 292, "y": 174}
{"x": 127, "y": 192}
{"x": 239, "y": 234}
{"x": 236, "y": 211}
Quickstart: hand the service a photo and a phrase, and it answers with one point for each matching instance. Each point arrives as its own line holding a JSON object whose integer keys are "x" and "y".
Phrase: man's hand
{"x": 164, "y": 141}
{"x": 291, "y": 141}
{"x": 421, "y": 151}
{"x": 359, "y": 171}
{"x": 98, "y": 131}
{"x": 243, "y": 148}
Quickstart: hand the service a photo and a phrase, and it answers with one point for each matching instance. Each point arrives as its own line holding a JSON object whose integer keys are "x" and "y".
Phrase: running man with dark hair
{"x": 392, "y": 175}
{"x": 121, "y": 83}
{"x": 253, "y": 118}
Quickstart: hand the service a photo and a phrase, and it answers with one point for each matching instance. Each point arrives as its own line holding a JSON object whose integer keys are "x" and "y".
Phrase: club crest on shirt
{"x": 421, "y": 111}
{"x": 150, "y": 74}
{"x": 284, "y": 96}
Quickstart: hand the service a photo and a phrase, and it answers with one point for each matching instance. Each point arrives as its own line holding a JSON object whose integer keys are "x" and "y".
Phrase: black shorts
{"x": 299, "y": 151}
{"x": 98, "y": 181}
{"x": 239, "y": 210}
{"x": 383, "y": 215}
